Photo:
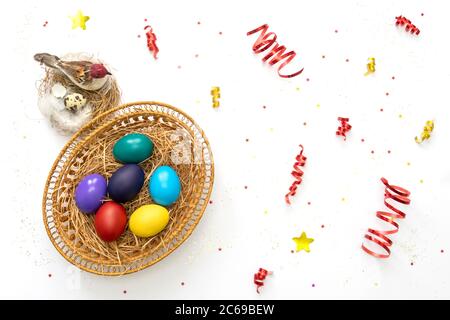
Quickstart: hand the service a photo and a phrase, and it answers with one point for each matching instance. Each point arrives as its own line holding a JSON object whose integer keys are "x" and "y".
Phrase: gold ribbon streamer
{"x": 426, "y": 133}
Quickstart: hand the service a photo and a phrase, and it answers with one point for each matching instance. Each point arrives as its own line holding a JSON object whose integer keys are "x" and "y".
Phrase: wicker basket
{"x": 59, "y": 210}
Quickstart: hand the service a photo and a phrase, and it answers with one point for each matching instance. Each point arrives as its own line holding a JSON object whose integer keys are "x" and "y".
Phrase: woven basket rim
{"x": 89, "y": 132}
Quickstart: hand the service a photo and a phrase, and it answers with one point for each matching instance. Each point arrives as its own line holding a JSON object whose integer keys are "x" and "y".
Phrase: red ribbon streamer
{"x": 402, "y": 21}
{"x": 259, "y": 278}
{"x": 297, "y": 173}
{"x": 264, "y": 42}
{"x": 344, "y": 128}
{"x": 151, "y": 41}
{"x": 379, "y": 237}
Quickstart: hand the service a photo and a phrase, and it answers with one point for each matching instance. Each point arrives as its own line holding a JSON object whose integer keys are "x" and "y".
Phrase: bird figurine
{"x": 85, "y": 74}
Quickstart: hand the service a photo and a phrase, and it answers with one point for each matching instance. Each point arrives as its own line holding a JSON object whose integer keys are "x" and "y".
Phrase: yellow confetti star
{"x": 303, "y": 242}
{"x": 79, "y": 20}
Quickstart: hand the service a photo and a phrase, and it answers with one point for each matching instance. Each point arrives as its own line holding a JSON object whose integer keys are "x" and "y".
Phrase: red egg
{"x": 110, "y": 221}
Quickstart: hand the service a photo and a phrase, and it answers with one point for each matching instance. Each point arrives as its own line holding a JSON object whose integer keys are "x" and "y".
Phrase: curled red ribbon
{"x": 379, "y": 237}
{"x": 297, "y": 173}
{"x": 259, "y": 278}
{"x": 151, "y": 41}
{"x": 402, "y": 21}
{"x": 264, "y": 42}
{"x": 344, "y": 127}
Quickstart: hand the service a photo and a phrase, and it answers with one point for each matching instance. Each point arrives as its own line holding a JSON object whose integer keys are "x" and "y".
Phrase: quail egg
{"x": 74, "y": 101}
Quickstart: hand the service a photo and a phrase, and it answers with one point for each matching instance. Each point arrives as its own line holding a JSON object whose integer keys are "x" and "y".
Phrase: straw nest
{"x": 179, "y": 142}
{"x": 99, "y": 101}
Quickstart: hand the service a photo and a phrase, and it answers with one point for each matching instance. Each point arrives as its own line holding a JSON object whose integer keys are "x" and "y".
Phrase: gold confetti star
{"x": 302, "y": 242}
{"x": 79, "y": 20}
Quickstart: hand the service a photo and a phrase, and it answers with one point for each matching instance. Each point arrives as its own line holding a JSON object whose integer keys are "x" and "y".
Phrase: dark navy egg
{"x": 126, "y": 183}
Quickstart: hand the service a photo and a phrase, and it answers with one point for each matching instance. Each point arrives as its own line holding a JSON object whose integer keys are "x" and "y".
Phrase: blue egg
{"x": 164, "y": 186}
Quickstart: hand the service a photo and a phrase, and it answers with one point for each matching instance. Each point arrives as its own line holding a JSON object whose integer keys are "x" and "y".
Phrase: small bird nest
{"x": 99, "y": 101}
{"x": 178, "y": 142}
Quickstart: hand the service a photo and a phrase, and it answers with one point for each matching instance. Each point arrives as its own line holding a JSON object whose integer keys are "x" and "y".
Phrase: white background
{"x": 252, "y": 226}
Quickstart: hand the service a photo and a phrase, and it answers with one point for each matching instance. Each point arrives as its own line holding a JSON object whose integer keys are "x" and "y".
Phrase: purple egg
{"x": 90, "y": 192}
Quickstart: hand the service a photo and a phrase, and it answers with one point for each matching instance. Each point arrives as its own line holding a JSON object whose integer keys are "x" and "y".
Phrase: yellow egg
{"x": 148, "y": 220}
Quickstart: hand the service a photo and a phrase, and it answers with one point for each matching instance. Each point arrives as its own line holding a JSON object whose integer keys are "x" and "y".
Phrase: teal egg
{"x": 133, "y": 148}
{"x": 164, "y": 186}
